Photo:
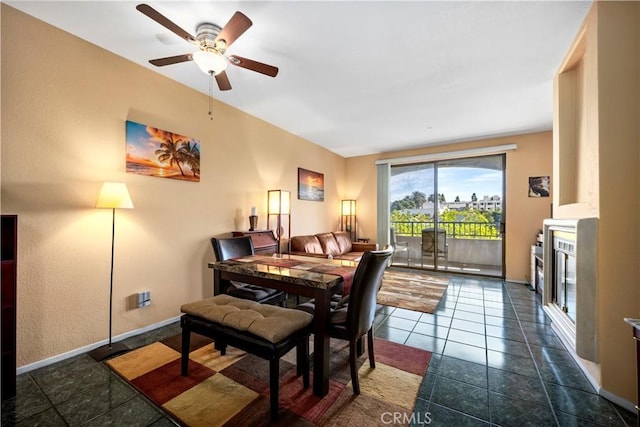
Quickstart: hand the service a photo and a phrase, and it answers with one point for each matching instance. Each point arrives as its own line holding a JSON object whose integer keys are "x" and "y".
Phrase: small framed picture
{"x": 538, "y": 186}
{"x": 310, "y": 185}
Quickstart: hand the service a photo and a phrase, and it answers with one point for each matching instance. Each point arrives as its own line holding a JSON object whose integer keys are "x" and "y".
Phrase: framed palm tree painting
{"x": 156, "y": 152}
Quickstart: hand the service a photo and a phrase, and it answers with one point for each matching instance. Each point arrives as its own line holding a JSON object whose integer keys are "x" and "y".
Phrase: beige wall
{"x": 618, "y": 148}
{"x": 64, "y": 107}
{"x": 605, "y": 132}
{"x": 524, "y": 214}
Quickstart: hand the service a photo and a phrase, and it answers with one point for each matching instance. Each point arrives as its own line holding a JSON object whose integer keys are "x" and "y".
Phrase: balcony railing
{"x": 475, "y": 247}
{"x": 455, "y": 230}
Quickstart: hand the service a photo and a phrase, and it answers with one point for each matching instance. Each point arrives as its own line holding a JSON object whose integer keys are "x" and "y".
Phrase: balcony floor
{"x": 400, "y": 260}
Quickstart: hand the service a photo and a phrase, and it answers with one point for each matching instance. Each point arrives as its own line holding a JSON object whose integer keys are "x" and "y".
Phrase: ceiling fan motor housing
{"x": 206, "y": 34}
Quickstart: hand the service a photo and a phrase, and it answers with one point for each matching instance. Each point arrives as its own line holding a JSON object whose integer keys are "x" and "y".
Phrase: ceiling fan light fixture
{"x": 210, "y": 62}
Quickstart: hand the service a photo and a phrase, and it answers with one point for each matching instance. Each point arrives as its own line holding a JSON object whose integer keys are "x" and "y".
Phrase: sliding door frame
{"x": 384, "y": 174}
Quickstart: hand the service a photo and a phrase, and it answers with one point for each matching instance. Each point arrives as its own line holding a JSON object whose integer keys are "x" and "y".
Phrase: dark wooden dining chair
{"x": 237, "y": 247}
{"x": 352, "y": 317}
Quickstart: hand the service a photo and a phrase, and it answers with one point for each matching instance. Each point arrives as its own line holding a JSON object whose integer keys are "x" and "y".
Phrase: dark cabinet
{"x": 264, "y": 242}
{"x": 636, "y": 337}
{"x": 9, "y": 237}
{"x": 537, "y": 269}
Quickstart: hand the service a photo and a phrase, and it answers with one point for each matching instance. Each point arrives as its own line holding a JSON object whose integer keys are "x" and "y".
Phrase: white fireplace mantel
{"x": 580, "y": 337}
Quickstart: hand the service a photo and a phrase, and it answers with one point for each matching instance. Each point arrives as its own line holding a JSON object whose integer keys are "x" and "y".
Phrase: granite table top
{"x": 300, "y": 270}
{"x": 633, "y": 322}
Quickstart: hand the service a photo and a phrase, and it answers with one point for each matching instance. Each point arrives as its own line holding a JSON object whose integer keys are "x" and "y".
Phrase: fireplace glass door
{"x": 564, "y": 283}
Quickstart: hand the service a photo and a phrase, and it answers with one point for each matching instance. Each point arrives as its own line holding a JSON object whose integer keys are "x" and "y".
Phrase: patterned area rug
{"x": 413, "y": 291}
{"x": 233, "y": 390}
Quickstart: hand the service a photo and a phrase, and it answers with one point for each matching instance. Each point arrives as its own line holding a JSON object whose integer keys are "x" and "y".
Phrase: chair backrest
{"x": 429, "y": 241}
{"x": 232, "y": 247}
{"x": 392, "y": 236}
{"x": 366, "y": 283}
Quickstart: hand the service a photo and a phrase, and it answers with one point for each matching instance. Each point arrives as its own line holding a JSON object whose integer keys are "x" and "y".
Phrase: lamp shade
{"x": 114, "y": 195}
{"x": 279, "y": 202}
{"x": 348, "y": 207}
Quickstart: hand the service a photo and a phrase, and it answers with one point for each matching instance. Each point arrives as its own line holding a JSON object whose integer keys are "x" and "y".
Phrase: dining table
{"x": 308, "y": 276}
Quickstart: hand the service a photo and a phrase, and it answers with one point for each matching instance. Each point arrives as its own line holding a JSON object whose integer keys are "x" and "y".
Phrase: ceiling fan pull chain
{"x": 210, "y": 95}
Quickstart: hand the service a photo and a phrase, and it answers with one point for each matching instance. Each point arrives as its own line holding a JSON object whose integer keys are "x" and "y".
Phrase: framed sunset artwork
{"x": 156, "y": 152}
{"x": 310, "y": 185}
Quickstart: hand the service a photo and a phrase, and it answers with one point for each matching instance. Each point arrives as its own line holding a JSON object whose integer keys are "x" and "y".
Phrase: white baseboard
{"x": 594, "y": 383}
{"x": 617, "y": 400}
{"x": 53, "y": 359}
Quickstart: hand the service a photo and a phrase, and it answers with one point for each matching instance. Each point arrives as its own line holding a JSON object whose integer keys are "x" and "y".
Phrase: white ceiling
{"x": 359, "y": 77}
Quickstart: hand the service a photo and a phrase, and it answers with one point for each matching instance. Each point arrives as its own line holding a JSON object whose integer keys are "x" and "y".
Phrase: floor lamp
{"x": 114, "y": 195}
{"x": 278, "y": 206}
{"x": 348, "y": 218}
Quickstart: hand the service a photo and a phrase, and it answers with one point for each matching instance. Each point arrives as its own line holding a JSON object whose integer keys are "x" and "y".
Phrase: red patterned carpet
{"x": 233, "y": 389}
{"x": 413, "y": 291}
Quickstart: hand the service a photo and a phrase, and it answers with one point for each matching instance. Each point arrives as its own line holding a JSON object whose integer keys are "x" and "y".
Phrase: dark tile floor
{"x": 495, "y": 361}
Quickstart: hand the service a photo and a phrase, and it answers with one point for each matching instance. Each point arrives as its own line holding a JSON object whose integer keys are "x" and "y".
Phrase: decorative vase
{"x": 253, "y": 222}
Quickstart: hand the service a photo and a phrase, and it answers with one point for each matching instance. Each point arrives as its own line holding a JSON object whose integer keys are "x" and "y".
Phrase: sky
{"x": 143, "y": 140}
{"x": 139, "y": 143}
{"x": 453, "y": 181}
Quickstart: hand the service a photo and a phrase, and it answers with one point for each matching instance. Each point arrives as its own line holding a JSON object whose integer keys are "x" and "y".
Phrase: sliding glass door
{"x": 449, "y": 214}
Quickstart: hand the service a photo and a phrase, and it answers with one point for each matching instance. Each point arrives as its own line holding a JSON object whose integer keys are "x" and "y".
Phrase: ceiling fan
{"x": 212, "y": 42}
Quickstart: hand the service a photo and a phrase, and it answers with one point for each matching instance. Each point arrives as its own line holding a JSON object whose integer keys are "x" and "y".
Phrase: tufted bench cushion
{"x": 270, "y": 322}
{"x": 267, "y": 331}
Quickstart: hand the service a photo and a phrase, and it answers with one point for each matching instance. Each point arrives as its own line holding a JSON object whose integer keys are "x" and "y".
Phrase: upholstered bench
{"x": 267, "y": 331}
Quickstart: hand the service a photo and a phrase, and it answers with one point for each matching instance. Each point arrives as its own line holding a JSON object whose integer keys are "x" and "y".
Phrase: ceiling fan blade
{"x": 165, "y": 22}
{"x": 223, "y": 81}
{"x": 161, "y": 62}
{"x": 237, "y": 25}
{"x": 250, "y": 64}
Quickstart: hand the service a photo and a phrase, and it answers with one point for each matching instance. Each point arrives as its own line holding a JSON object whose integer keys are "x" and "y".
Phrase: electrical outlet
{"x": 147, "y": 298}
{"x": 144, "y": 299}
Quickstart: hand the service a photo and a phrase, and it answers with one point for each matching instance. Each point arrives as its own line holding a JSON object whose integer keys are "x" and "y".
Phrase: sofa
{"x": 336, "y": 244}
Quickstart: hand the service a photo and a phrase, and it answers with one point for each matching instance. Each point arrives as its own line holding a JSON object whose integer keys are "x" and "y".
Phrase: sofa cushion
{"x": 351, "y": 256}
{"x": 308, "y": 244}
{"x": 329, "y": 244}
{"x": 344, "y": 241}
{"x": 338, "y": 244}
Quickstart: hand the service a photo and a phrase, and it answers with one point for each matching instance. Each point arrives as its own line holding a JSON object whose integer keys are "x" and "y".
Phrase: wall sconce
{"x": 348, "y": 218}
{"x": 279, "y": 206}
